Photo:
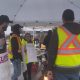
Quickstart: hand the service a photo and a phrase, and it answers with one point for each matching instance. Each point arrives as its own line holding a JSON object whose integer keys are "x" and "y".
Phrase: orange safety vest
{"x": 68, "y": 49}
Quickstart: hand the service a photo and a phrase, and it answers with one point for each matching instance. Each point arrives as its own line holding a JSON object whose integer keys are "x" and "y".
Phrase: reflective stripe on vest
{"x": 68, "y": 49}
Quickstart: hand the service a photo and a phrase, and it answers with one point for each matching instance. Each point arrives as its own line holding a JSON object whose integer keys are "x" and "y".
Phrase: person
{"x": 16, "y": 50}
{"x": 4, "y": 61}
{"x": 47, "y": 75}
{"x": 24, "y": 55}
{"x": 47, "y": 39}
{"x": 31, "y": 56}
{"x": 46, "y": 43}
{"x": 41, "y": 38}
{"x": 64, "y": 48}
{"x": 36, "y": 42}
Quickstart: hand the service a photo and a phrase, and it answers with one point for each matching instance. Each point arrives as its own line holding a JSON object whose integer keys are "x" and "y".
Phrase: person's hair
{"x": 68, "y": 15}
{"x": 15, "y": 28}
{"x": 42, "y": 77}
{"x": 45, "y": 73}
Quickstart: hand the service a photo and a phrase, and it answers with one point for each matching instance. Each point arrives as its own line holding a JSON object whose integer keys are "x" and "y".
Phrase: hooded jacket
{"x": 74, "y": 28}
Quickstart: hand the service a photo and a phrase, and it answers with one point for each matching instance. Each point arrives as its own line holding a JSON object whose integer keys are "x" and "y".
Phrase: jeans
{"x": 66, "y": 76}
{"x": 17, "y": 69}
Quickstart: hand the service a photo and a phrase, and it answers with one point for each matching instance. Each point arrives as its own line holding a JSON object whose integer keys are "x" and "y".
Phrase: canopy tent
{"x": 32, "y": 29}
{"x": 36, "y": 13}
{"x": 31, "y": 12}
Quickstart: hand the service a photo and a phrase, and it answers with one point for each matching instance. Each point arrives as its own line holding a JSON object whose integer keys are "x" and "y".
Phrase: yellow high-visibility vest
{"x": 24, "y": 43}
{"x": 68, "y": 49}
{"x": 10, "y": 55}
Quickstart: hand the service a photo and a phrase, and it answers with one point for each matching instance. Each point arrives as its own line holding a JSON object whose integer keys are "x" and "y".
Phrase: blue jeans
{"x": 17, "y": 69}
{"x": 66, "y": 76}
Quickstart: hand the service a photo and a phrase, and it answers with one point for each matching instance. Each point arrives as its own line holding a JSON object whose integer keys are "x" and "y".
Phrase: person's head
{"x": 28, "y": 37}
{"x": 48, "y": 74}
{"x": 16, "y": 28}
{"x": 4, "y": 21}
{"x": 68, "y": 16}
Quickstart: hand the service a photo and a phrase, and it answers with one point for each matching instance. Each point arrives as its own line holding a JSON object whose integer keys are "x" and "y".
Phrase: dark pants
{"x": 66, "y": 76}
{"x": 27, "y": 74}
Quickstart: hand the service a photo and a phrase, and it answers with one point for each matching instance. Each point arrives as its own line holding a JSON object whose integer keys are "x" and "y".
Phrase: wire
{"x": 21, "y": 5}
{"x": 71, "y": 2}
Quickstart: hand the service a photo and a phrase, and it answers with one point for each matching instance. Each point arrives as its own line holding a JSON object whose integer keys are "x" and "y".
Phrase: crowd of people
{"x": 62, "y": 50}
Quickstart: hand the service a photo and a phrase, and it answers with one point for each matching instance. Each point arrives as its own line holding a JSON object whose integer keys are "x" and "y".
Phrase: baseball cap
{"x": 5, "y": 18}
{"x": 16, "y": 27}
